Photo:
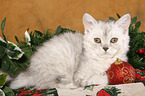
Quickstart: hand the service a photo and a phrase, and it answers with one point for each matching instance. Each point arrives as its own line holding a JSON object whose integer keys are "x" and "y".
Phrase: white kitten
{"x": 70, "y": 60}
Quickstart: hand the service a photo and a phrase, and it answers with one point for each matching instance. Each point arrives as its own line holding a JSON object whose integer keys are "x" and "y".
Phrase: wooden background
{"x": 48, "y": 14}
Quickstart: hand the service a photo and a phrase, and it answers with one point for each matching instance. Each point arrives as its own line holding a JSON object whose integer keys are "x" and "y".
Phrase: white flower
{"x": 27, "y": 38}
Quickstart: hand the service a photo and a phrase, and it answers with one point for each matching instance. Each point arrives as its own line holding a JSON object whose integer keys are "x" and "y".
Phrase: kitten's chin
{"x": 105, "y": 55}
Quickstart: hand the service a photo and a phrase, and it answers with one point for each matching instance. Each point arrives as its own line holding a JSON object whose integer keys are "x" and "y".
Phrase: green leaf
{"x": 133, "y": 20}
{"x": 113, "y": 91}
{"x": 16, "y": 66}
{"x": 38, "y": 33}
{"x": 3, "y": 44}
{"x": 17, "y": 40}
{"x": 1, "y": 93}
{"x": 3, "y": 79}
{"x": 2, "y": 51}
{"x": 47, "y": 31}
{"x": 37, "y": 38}
{"x": 137, "y": 25}
{"x": 2, "y": 28}
{"x": 10, "y": 46}
{"x": 111, "y": 18}
{"x": 118, "y": 15}
{"x": 9, "y": 66}
{"x": 5, "y": 64}
{"x": 58, "y": 30}
{"x": 89, "y": 87}
{"x": 25, "y": 60}
{"x": 67, "y": 30}
{"x": 13, "y": 51}
{"x": 13, "y": 54}
{"x": 8, "y": 91}
{"x": 28, "y": 29}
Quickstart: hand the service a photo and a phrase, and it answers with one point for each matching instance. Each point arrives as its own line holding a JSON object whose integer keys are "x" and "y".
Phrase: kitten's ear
{"x": 88, "y": 22}
{"x": 124, "y": 21}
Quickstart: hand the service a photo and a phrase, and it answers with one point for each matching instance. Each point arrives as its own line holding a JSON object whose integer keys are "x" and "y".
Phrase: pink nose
{"x": 105, "y": 48}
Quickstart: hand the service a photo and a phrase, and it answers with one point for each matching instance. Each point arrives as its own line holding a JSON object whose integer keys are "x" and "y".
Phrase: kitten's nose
{"x": 105, "y": 48}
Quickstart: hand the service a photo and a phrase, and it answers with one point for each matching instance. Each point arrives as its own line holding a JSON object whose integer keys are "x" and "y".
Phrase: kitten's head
{"x": 106, "y": 39}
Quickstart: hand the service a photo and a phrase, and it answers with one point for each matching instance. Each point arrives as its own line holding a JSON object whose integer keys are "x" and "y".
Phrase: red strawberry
{"x": 103, "y": 93}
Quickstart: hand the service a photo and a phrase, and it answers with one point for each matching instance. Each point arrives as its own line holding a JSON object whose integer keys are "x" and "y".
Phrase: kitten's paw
{"x": 16, "y": 84}
{"x": 98, "y": 79}
{"x": 71, "y": 85}
{"x": 22, "y": 81}
{"x": 80, "y": 82}
{"x": 19, "y": 83}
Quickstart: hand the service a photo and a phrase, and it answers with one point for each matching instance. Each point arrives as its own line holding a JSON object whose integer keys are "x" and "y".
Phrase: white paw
{"x": 98, "y": 79}
{"x": 80, "y": 82}
{"x": 16, "y": 84}
{"x": 20, "y": 82}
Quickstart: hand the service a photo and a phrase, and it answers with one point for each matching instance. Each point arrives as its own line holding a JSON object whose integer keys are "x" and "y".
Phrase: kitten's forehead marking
{"x": 106, "y": 28}
{"x": 106, "y": 31}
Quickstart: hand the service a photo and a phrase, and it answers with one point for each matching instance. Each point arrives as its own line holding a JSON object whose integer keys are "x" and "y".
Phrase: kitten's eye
{"x": 114, "y": 40}
{"x": 97, "y": 40}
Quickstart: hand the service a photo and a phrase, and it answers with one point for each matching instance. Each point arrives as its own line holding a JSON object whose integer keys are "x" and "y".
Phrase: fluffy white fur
{"x": 75, "y": 60}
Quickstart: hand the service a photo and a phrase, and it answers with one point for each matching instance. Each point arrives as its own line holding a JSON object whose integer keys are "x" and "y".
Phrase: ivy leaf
{"x": 2, "y": 47}
{"x": 2, "y": 28}
{"x": 137, "y": 25}
{"x": 8, "y": 91}
{"x": 2, "y": 51}
{"x": 5, "y": 64}
{"x": 2, "y": 93}
{"x": 1, "y": 40}
{"x": 9, "y": 66}
{"x": 3, "y": 44}
{"x": 133, "y": 20}
{"x": 111, "y": 18}
{"x": 16, "y": 66}
{"x": 13, "y": 51}
{"x": 3, "y": 79}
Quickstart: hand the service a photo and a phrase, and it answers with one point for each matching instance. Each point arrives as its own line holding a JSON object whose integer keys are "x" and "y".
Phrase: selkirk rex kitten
{"x": 75, "y": 60}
